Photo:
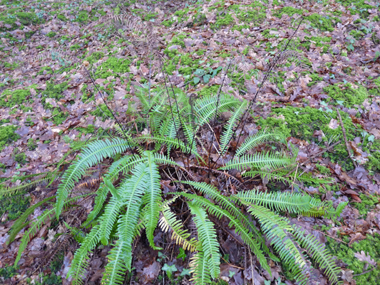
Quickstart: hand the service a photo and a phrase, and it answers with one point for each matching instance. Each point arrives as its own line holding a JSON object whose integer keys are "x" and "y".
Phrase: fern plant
{"x": 130, "y": 200}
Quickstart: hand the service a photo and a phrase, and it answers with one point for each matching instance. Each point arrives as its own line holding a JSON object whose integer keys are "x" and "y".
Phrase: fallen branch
{"x": 345, "y": 139}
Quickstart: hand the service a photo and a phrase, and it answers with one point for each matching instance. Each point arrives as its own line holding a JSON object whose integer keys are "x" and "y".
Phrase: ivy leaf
{"x": 185, "y": 272}
{"x": 206, "y": 78}
{"x": 181, "y": 254}
{"x": 196, "y": 80}
{"x": 169, "y": 269}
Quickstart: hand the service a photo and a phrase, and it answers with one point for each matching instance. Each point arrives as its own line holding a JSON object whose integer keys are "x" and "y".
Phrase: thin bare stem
{"x": 258, "y": 91}
{"x": 216, "y": 114}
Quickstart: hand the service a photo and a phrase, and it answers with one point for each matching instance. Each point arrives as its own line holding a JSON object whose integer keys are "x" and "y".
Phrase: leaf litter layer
{"x": 50, "y": 106}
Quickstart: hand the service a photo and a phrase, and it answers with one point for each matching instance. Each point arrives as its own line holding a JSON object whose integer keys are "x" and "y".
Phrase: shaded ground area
{"x": 326, "y": 78}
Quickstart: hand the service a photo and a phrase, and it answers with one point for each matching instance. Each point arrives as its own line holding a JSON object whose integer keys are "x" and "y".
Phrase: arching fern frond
{"x": 174, "y": 143}
{"x": 259, "y": 138}
{"x": 108, "y": 219}
{"x": 278, "y": 201}
{"x": 277, "y": 230}
{"x": 8, "y": 191}
{"x": 80, "y": 261}
{"x": 115, "y": 269}
{"x": 244, "y": 233}
{"x": 179, "y": 235}
{"x": 152, "y": 199}
{"x": 199, "y": 267}
{"x": 132, "y": 192}
{"x": 230, "y": 127}
{"x": 20, "y": 223}
{"x": 319, "y": 253}
{"x": 211, "y": 191}
{"x": 207, "y": 238}
{"x": 123, "y": 165}
{"x": 259, "y": 160}
{"x": 206, "y": 107}
{"x": 162, "y": 159}
{"x": 36, "y": 225}
{"x": 91, "y": 155}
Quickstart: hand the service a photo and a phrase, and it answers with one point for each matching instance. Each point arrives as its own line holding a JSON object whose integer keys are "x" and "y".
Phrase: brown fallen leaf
{"x": 356, "y": 237}
{"x": 333, "y": 124}
{"x": 365, "y": 258}
{"x": 304, "y": 81}
{"x": 347, "y": 275}
{"x": 360, "y": 156}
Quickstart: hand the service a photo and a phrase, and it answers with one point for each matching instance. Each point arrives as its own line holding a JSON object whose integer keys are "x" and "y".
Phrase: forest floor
{"x": 328, "y": 76}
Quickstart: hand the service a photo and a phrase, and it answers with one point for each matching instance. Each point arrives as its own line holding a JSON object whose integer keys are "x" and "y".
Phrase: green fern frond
{"x": 277, "y": 228}
{"x": 179, "y": 235}
{"x": 189, "y": 133}
{"x": 208, "y": 239}
{"x": 42, "y": 219}
{"x": 199, "y": 268}
{"x": 206, "y": 107}
{"x": 8, "y": 191}
{"x": 259, "y": 138}
{"x": 240, "y": 229}
{"x": 81, "y": 257}
{"x": 170, "y": 129}
{"x": 152, "y": 199}
{"x": 260, "y": 160}
{"x": 115, "y": 269}
{"x": 123, "y": 165}
{"x": 20, "y": 223}
{"x": 132, "y": 192}
{"x": 319, "y": 253}
{"x": 335, "y": 213}
{"x": 36, "y": 225}
{"x": 174, "y": 143}
{"x": 278, "y": 201}
{"x": 94, "y": 153}
{"x": 108, "y": 219}
{"x": 284, "y": 201}
{"x": 308, "y": 177}
{"x": 100, "y": 198}
{"x": 78, "y": 145}
{"x": 162, "y": 159}
{"x": 230, "y": 127}
{"x": 211, "y": 191}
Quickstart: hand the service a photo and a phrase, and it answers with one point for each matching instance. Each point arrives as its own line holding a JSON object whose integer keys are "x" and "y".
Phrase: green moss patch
{"x": 94, "y": 57}
{"x": 347, "y": 94}
{"x": 14, "y": 206}
{"x": 111, "y": 66}
{"x": 58, "y": 116}
{"x": 51, "y": 34}
{"x": 7, "y": 135}
{"x": 370, "y": 246}
{"x": 11, "y": 17}
{"x": 303, "y": 122}
{"x": 54, "y": 90}
{"x": 290, "y": 11}
{"x": 323, "y": 42}
{"x": 222, "y": 21}
{"x": 323, "y": 23}
{"x": 12, "y": 98}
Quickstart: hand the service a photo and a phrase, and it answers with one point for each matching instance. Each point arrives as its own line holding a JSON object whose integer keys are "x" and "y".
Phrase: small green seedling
{"x": 169, "y": 269}
{"x": 182, "y": 254}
